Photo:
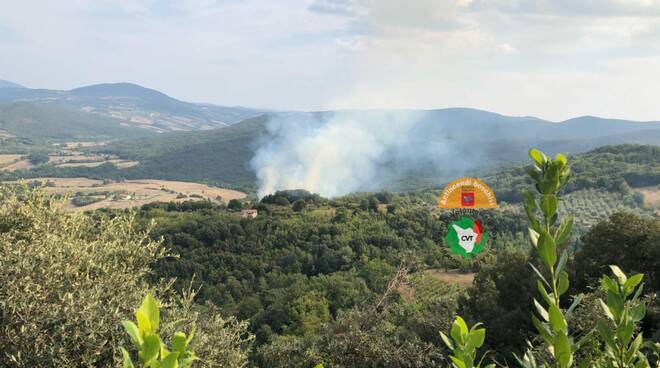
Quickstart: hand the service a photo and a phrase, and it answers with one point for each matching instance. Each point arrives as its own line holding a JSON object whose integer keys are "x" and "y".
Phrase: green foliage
{"x": 624, "y": 313}
{"x": 606, "y": 168}
{"x": 66, "y": 280}
{"x": 624, "y": 239}
{"x": 235, "y": 204}
{"x": 40, "y": 123}
{"x": 38, "y": 158}
{"x": 550, "y": 176}
{"x": 464, "y": 344}
{"x": 501, "y": 298}
{"x": 151, "y": 350}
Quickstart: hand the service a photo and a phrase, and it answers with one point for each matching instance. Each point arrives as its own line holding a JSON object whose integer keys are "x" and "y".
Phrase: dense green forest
{"x": 301, "y": 276}
{"x": 357, "y": 281}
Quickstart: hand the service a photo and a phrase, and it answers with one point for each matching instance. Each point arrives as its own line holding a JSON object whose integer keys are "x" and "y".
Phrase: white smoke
{"x": 331, "y": 153}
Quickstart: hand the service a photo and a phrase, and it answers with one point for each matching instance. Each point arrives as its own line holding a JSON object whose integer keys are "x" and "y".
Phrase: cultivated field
{"x": 432, "y": 283}
{"x": 89, "y": 194}
{"x": 66, "y": 155}
{"x": 651, "y": 197}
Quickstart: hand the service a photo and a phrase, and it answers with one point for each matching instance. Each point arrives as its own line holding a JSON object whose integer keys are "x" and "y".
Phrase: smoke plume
{"x": 336, "y": 153}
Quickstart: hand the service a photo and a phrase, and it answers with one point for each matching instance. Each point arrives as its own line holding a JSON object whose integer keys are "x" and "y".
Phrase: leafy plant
{"x": 464, "y": 343}
{"x": 622, "y": 347}
{"x": 151, "y": 351}
{"x": 550, "y": 176}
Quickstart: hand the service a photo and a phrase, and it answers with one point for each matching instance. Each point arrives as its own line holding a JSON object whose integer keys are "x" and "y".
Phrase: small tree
{"x": 235, "y": 204}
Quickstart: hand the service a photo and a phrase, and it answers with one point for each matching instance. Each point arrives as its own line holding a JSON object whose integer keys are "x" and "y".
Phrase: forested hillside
{"x": 356, "y": 281}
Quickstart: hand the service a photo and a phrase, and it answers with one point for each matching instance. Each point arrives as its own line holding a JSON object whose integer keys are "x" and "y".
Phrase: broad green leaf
{"x": 564, "y": 231}
{"x": 179, "y": 343}
{"x": 547, "y": 249}
{"x": 447, "y": 341}
{"x": 615, "y": 303}
{"x": 632, "y": 282}
{"x": 609, "y": 285}
{"x": 605, "y": 334}
{"x": 461, "y": 323}
{"x": 150, "y": 348}
{"x": 550, "y": 182}
{"x": 624, "y": 331}
{"x": 543, "y": 292}
{"x": 619, "y": 274}
{"x": 133, "y": 333}
{"x": 638, "y": 312}
{"x": 529, "y": 203}
{"x": 144, "y": 325}
{"x": 548, "y": 204}
{"x": 562, "y": 350}
{"x": 150, "y": 308}
{"x": 170, "y": 361}
{"x": 561, "y": 159}
{"x": 557, "y": 321}
{"x": 563, "y": 283}
{"x": 476, "y": 338}
{"x": 456, "y": 333}
{"x": 539, "y": 157}
{"x": 457, "y": 362}
{"x": 128, "y": 363}
{"x": 638, "y": 292}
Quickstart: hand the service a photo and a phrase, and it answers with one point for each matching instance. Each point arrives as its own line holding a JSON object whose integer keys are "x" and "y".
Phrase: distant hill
{"x": 481, "y": 139}
{"x": 8, "y": 84}
{"x": 136, "y": 105}
{"x": 442, "y": 144}
{"x": 38, "y": 123}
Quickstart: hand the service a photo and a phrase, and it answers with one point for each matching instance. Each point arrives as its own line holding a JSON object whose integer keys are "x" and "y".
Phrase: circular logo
{"x": 466, "y": 237}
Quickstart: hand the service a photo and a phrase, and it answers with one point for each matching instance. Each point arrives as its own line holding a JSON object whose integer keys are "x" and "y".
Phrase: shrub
{"x": 66, "y": 281}
{"x": 235, "y": 204}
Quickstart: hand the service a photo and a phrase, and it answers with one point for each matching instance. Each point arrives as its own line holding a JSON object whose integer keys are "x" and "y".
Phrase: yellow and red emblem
{"x": 469, "y": 193}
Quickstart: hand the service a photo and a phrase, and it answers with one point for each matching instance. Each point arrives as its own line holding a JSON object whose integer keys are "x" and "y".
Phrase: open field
{"x": 433, "y": 283}
{"x": 9, "y": 159}
{"x": 452, "y": 276}
{"x": 651, "y": 197}
{"x": 66, "y": 156}
{"x": 18, "y": 165}
{"x": 131, "y": 193}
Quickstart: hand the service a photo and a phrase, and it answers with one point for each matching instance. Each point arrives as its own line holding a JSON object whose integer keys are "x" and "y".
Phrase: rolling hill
{"x": 136, "y": 105}
{"x": 27, "y": 125}
{"x": 8, "y": 84}
{"x": 479, "y": 140}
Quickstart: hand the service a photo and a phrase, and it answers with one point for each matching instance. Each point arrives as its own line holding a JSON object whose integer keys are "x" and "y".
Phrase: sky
{"x": 554, "y": 59}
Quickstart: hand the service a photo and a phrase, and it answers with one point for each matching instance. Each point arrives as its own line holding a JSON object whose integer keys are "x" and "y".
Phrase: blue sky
{"x": 554, "y": 59}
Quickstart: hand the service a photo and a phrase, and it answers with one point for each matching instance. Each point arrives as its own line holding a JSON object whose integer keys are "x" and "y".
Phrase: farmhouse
{"x": 249, "y": 213}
